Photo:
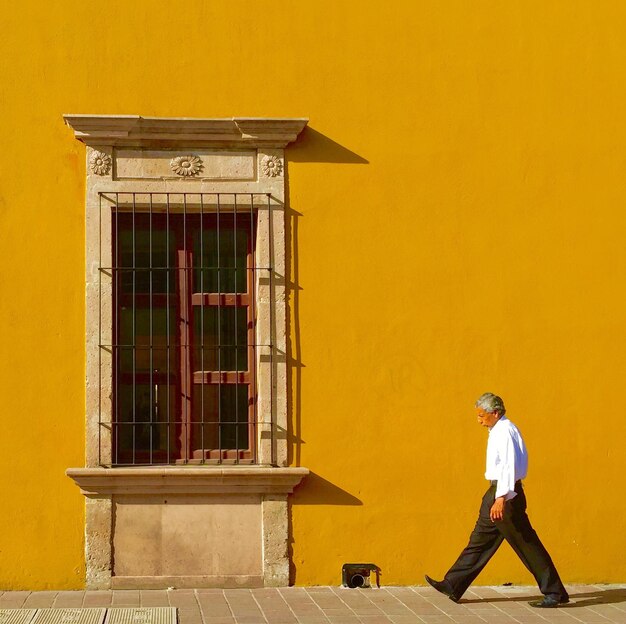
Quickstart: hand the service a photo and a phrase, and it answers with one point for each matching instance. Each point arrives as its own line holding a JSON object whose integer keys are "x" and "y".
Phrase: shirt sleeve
{"x": 506, "y": 469}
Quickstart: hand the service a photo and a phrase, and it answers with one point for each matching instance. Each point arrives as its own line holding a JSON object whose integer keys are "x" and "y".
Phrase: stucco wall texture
{"x": 457, "y": 226}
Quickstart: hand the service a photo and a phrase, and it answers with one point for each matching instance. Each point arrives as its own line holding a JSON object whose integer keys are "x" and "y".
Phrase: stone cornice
{"x": 133, "y": 130}
{"x": 102, "y": 482}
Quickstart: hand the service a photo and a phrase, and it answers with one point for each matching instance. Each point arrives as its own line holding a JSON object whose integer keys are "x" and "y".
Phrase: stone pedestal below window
{"x": 186, "y": 527}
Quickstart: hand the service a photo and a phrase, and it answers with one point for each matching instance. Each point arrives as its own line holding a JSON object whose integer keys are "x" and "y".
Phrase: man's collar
{"x": 503, "y": 417}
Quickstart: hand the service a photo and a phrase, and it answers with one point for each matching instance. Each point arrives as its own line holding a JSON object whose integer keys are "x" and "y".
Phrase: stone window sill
{"x": 104, "y": 482}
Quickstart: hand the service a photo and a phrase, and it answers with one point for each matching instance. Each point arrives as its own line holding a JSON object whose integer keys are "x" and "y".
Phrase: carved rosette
{"x": 186, "y": 166}
{"x": 100, "y": 163}
{"x": 272, "y": 166}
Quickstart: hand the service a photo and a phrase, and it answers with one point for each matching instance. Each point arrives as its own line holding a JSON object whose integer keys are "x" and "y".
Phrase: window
{"x": 184, "y": 345}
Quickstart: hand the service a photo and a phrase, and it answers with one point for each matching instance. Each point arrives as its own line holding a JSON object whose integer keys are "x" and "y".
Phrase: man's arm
{"x": 505, "y": 490}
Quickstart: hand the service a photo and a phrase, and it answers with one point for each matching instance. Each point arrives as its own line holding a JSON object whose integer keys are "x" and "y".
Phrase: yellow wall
{"x": 459, "y": 225}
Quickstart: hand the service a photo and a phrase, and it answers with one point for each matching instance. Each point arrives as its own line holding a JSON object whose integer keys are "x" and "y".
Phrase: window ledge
{"x": 102, "y": 482}
{"x": 135, "y": 130}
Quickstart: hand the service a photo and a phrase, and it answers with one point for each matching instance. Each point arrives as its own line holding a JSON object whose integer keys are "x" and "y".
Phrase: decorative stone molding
{"x": 102, "y": 482}
{"x": 158, "y": 164}
{"x": 272, "y": 166}
{"x": 100, "y": 163}
{"x": 246, "y": 506}
{"x": 119, "y": 130}
{"x": 186, "y": 165}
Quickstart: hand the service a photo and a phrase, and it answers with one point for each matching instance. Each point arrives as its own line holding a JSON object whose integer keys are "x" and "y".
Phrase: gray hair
{"x": 491, "y": 403}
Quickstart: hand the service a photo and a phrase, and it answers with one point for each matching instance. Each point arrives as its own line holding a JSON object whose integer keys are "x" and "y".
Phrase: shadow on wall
{"x": 315, "y": 490}
{"x": 311, "y": 146}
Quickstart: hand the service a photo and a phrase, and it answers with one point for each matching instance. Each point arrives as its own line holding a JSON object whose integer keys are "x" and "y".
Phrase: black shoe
{"x": 442, "y": 586}
{"x": 548, "y": 602}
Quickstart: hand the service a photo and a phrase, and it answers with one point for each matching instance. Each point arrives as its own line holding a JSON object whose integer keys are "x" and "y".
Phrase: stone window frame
{"x": 128, "y": 153}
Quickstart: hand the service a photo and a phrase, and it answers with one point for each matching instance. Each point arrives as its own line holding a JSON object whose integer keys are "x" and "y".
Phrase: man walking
{"x": 503, "y": 514}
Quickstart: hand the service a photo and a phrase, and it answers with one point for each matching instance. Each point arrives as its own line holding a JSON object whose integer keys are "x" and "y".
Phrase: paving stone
{"x": 250, "y": 619}
{"x": 356, "y": 601}
{"x": 40, "y": 600}
{"x": 182, "y": 598}
{"x": 319, "y": 589}
{"x": 290, "y": 596}
{"x": 214, "y": 606}
{"x": 330, "y": 602}
{"x": 13, "y": 599}
{"x": 189, "y": 616}
{"x": 484, "y": 592}
{"x": 215, "y": 612}
{"x": 366, "y": 611}
{"x": 188, "y": 612}
{"x": 244, "y": 608}
{"x": 600, "y": 609}
{"x": 374, "y": 619}
{"x": 585, "y": 615}
{"x": 69, "y": 599}
{"x": 97, "y": 598}
{"x": 423, "y": 610}
{"x": 126, "y": 598}
{"x": 154, "y": 598}
{"x": 263, "y": 599}
{"x": 393, "y": 608}
{"x": 479, "y": 605}
{"x": 270, "y": 614}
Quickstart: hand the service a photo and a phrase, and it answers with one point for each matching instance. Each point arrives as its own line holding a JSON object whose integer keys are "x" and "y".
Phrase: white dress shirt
{"x": 507, "y": 460}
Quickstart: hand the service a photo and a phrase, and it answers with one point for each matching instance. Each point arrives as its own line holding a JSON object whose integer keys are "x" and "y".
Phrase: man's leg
{"x": 484, "y": 541}
{"x": 517, "y": 530}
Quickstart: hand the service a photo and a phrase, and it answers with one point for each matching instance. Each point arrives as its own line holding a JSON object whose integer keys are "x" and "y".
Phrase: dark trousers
{"x": 516, "y": 529}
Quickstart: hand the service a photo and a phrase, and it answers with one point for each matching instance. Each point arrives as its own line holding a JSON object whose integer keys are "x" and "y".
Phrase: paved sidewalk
{"x": 592, "y": 604}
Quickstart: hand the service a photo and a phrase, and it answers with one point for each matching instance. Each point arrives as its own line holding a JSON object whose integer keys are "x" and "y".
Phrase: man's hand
{"x": 497, "y": 509}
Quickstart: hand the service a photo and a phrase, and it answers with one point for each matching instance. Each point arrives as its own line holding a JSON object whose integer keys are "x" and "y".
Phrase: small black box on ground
{"x": 358, "y": 574}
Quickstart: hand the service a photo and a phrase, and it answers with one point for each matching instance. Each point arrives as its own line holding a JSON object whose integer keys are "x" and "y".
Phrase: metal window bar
{"x": 168, "y": 324}
{"x": 219, "y": 333}
{"x": 134, "y": 343}
{"x": 165, "y": 421}
{"x": 115, "y": 352}
{"x": 252, "y": 336}
{"x": 272, "y": 328}
{"x": 236, "y": 289}
{"x": 185, "y": 347}
{"x": 100, "y": 424}
{"x": 202, "y": 318}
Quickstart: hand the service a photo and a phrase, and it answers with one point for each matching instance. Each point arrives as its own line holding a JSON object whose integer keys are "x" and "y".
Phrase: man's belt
{"x": 496, "y": 482}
